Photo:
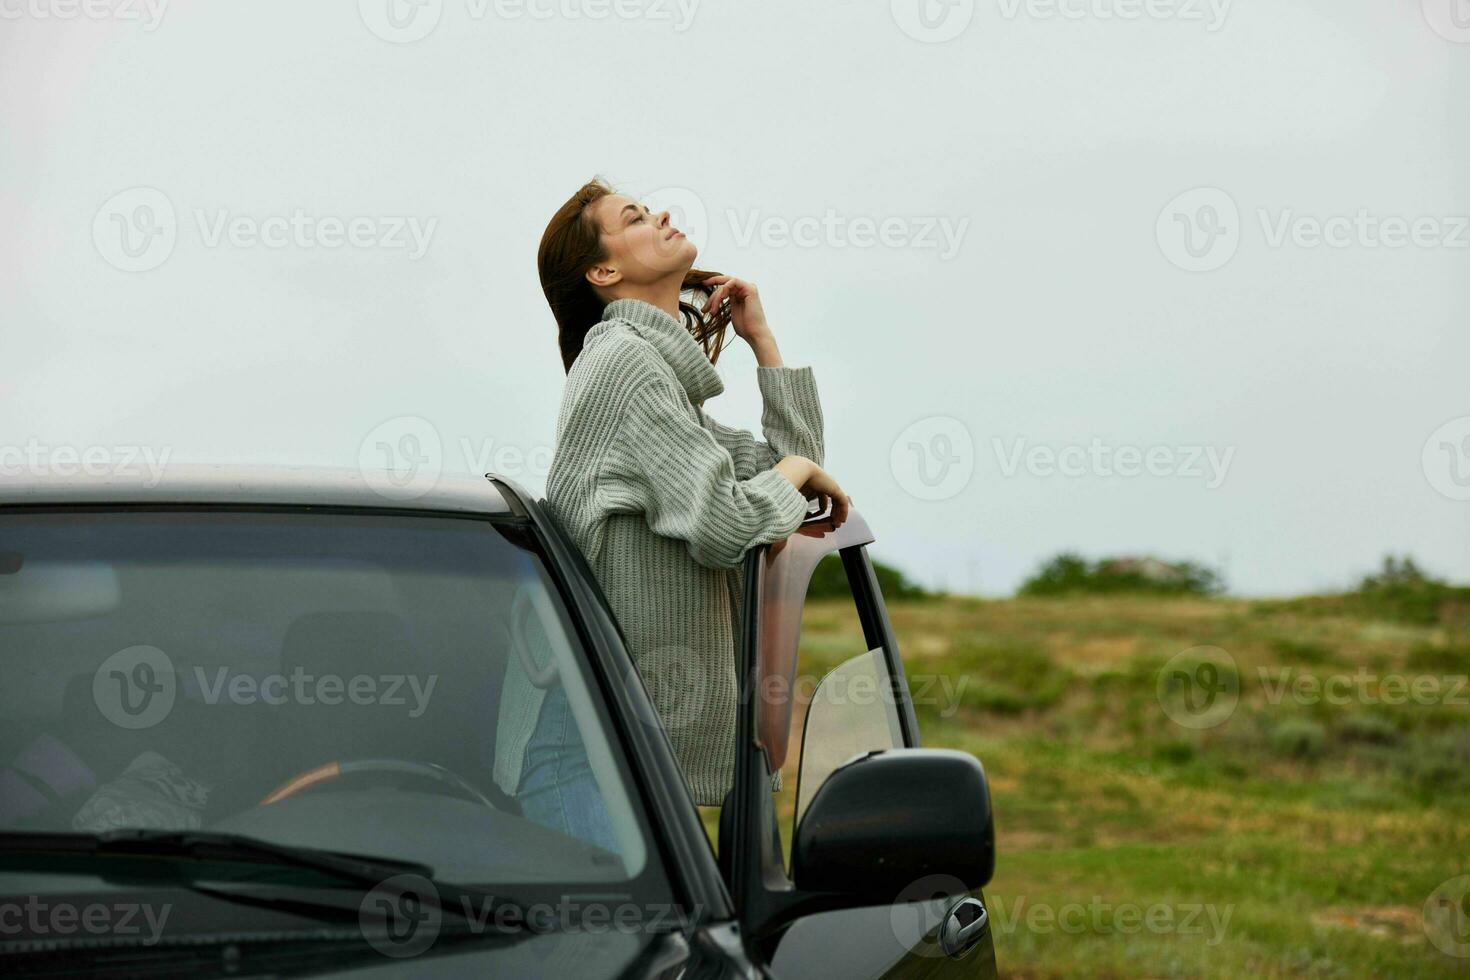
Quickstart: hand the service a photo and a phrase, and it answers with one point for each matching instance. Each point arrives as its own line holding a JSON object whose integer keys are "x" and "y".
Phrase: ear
{"x": 603, "y": 275}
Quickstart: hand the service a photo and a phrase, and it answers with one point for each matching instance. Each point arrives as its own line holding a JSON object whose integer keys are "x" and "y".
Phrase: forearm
{"x": 767, "y": 354}
{"x": 797, "y": 469}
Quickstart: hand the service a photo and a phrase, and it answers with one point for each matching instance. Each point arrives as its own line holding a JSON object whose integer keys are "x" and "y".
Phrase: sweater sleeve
{"x": 684, "y": 480}
{"x": 791, "y": 417}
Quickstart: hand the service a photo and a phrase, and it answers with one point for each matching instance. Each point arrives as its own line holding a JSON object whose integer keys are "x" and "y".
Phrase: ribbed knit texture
{"x": 664, "y": 502}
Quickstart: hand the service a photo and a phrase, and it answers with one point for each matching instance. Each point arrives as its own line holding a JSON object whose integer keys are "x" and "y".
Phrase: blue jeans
{"x": 556, "y": 788}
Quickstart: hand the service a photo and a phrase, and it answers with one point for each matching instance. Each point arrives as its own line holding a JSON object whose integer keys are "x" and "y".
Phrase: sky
{"x": 1188, "y": 278}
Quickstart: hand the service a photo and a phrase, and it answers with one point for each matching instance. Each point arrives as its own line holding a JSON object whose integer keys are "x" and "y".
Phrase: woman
{"x": 662, "y": 500}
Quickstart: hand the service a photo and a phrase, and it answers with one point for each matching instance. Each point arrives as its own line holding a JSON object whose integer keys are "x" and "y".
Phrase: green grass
{"x": 1293, "y": 839}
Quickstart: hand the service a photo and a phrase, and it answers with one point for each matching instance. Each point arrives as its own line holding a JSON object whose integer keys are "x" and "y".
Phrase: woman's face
{"x": 642, "y": 246}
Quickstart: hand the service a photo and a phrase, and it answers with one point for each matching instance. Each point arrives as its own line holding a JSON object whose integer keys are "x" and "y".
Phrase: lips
{"x": 676, "y": 233}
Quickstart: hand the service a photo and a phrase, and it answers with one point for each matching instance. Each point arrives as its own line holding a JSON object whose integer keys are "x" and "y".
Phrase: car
{"x": 254, "y": 722}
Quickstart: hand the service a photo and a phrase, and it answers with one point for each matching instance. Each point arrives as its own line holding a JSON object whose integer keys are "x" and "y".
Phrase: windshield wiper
{"x": 211, "y": 845}
{"x": 179, "y": 847}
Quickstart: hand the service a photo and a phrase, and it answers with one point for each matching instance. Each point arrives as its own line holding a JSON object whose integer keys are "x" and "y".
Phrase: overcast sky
{"x": 1181, "y": 277}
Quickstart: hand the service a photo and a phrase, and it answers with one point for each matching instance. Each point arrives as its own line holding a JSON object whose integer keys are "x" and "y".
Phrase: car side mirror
{"x": 885, "y": 819}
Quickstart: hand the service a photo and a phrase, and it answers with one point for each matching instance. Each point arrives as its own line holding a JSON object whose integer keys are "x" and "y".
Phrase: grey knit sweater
{"x": 664, "y": 502}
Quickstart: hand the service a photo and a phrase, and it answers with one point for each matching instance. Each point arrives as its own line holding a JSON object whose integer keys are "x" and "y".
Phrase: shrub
{"x": 1298, "y": 738}
{"x": 829, "y": 580}
{"x": 1071, "y": 574}
{"x": 1370, "y": 728}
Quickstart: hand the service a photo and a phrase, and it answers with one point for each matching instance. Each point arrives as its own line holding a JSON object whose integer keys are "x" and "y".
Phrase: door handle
{"x": 964, "y": 924}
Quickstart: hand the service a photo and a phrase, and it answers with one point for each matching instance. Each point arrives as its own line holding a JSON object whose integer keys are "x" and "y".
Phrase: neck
{"x": 663, "y": 294}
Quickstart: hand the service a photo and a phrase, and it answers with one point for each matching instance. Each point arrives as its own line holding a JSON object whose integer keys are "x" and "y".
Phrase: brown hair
{"x": 572, "y": 244}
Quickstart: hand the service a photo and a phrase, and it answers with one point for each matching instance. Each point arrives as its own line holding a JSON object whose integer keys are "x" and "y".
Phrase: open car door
{"x": 891, "y": 842}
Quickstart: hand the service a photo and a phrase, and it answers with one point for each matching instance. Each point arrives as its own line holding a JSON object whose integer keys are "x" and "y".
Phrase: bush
{"x": 1298, "y": 738}
{"x": 1071, "y": 574}
{"x": 1400, "y": 591}
{"x": 1374, "y": 729}
{"x": 829, "y": 580}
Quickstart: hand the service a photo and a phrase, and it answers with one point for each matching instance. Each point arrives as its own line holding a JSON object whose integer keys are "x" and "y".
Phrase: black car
{"x": 251, "y": 723}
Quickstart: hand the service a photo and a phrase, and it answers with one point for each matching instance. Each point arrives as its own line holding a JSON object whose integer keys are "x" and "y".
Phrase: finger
{"x": 714, "y": 299}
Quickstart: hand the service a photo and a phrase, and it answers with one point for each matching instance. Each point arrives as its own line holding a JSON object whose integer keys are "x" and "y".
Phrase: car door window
{"x": 843, "y": 696}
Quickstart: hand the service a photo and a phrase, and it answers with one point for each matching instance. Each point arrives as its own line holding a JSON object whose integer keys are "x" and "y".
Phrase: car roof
{"x": 262, "y": 483}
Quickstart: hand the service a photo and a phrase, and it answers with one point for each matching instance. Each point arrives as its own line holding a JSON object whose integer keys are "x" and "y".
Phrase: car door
{"x": 937, "y": 926}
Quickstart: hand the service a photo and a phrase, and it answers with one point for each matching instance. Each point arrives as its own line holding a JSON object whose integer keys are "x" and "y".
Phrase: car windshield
{"x": 353, "y": 681}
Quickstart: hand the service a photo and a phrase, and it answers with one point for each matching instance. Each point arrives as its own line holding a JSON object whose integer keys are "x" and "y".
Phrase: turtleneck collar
{"x": 670, "y": 338}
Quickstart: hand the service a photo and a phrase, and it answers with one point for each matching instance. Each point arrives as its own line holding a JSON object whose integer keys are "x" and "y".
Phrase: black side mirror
{"x": 887, "y": 818}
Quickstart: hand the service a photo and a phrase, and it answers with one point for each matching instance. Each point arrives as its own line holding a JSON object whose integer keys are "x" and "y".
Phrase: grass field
{"x": 1148, "y": 831}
